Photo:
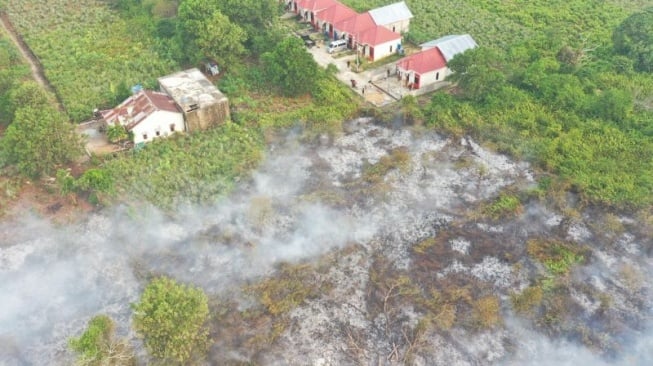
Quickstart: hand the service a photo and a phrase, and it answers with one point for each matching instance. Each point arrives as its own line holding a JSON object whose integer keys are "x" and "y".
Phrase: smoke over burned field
{"x": 383, "y": 246}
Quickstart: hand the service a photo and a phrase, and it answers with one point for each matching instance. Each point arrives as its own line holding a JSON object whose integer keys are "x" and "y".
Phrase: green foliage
{"x": 558, "y": 104}
{"x": 634, "y": 38}
{"x": 65, "y": 181}
{"x": 87, "y": 50}
{"x": 503, "y": 206}
{"x": 95, "y": 181}
{"x": 207, "y": 28}
{"x": 172, "y": 319}
{"x": 195, "y": 168}
{"x": 290, "y": 68}
{"x": 97, "y": 346}
{"x": 117, "y": 133}
{"x": 12, "y": 73}
{"x": 558, "y": 257}
{"x": 39, "y": 139}
{"x": 258, "y": 18}
{"x": 477, "y": 72}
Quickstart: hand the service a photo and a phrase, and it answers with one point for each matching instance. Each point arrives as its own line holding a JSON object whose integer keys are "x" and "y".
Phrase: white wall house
{"x": 422, "y": 68}
{"x": 396, "y": 17}
{"x": 430, "y": 64}
{"x": 147, "y": 115}
{"x": 378, "y": 42}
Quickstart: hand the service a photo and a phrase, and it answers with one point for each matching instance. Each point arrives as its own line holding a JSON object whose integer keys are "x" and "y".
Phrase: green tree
{"x": 204, "y": 27}
{"x": 39, "y": 140}
{"x": 290, "y": 67}
{"x": 257, "y": 18}
{"x": 172, "y": 320}
{"x": 221, "y": 40}
{"x": 478, "y": 72}
{"x": 27, "y": 94}
{"x": 634, "y": 38}
{"x": 117, "y": 133}
{"x": 98, "y": 346}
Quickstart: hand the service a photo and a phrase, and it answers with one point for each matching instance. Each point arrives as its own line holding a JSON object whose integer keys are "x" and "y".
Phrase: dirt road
{"x": 29, "y": 56}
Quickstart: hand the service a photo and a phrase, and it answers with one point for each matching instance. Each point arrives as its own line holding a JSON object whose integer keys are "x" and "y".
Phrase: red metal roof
{"x": 335, "y": 13}
{"x": 138, "y": 107}
{"x": 316, "y": 4}
{"x": 356, "y": 24}
{"x": 423, "y": 61}
{"x": 378, "y": 35}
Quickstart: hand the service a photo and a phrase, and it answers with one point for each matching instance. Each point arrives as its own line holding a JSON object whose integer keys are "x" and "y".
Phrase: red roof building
{"x": 327, "y": 18}
{"x": 309, "y": 8}
{"x": 147, "y": 114}
{"x": 355, "y": 24}
{"x": 421, "y": 68}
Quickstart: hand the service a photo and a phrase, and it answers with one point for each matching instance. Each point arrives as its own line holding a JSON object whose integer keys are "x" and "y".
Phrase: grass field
{"x": 501, "y": 23}
{"x": 88, "y": 52}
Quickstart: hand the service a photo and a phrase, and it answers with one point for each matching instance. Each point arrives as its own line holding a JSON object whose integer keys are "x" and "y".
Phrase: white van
{"x": 337, "y": 45}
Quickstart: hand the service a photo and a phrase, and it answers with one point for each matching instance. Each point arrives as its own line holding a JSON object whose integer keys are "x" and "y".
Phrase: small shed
{"x": 451, "y": 45}
{"x": 202, "y": 104}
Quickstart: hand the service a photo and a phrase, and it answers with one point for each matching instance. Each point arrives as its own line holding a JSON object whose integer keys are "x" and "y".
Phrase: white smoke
{"x": 303, "y": 202}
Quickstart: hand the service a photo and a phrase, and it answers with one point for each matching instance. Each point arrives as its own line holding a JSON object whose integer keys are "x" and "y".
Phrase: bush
{"x": 172, "y": 320}
{"x": 528, "y": 300}
{"x": 97, "y": 346}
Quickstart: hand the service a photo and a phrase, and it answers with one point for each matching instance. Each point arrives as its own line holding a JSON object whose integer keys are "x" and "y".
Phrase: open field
{"x": 500, "y": 23}
{"x": 90, "y": 55}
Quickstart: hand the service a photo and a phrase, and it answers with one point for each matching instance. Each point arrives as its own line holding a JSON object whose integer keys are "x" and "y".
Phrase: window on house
{"x": 172, "y": 127}
{"x": 158, "y": 133}
{"x": 390, "y": 49}
{"x": 144, "y": 136}
{"x": 437, "y": 76}
{"x": 393, "y": 29}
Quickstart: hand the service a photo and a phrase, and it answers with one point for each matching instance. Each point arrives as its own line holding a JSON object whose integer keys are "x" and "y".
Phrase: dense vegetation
{"x": 187, "y": 169}
{"x": 12, "y": 72}
{"x": 585, "y": 118}
{"x": 548, "y": 84}
{"x": 39, "y": 139}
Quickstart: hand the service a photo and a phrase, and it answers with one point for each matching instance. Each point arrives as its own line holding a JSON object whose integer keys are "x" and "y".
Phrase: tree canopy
{"x": 39, "y": 138}
{"x": 205, "y": 27}
{"x": 290, "y": 67}
{"x": 172, "y": 318}
{"x": 634, "y": 38}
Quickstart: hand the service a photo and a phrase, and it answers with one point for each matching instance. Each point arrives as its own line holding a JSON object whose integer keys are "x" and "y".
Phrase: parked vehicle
{"x": 308, "y": 41}
{"x": 337, "y": 45}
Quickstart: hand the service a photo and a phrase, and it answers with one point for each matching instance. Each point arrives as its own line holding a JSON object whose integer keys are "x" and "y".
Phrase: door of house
{"x": 372, "y": 53}
{"x": 416, "y": 81}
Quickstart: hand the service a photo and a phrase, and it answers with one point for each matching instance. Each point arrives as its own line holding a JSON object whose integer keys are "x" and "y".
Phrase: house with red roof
{"x": 147, "y": 115}
{"x": 329, "y": 17}
{"x": 309, "y": 8}
{"x": 378, "y": 42}
{"x": 430, "y": 65}
{"x": 422, "y": 68}
{"x": 352, "y": 27}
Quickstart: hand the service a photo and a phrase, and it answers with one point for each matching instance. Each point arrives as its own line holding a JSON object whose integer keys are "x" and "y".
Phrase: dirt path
{"x": 29, "y": 56}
